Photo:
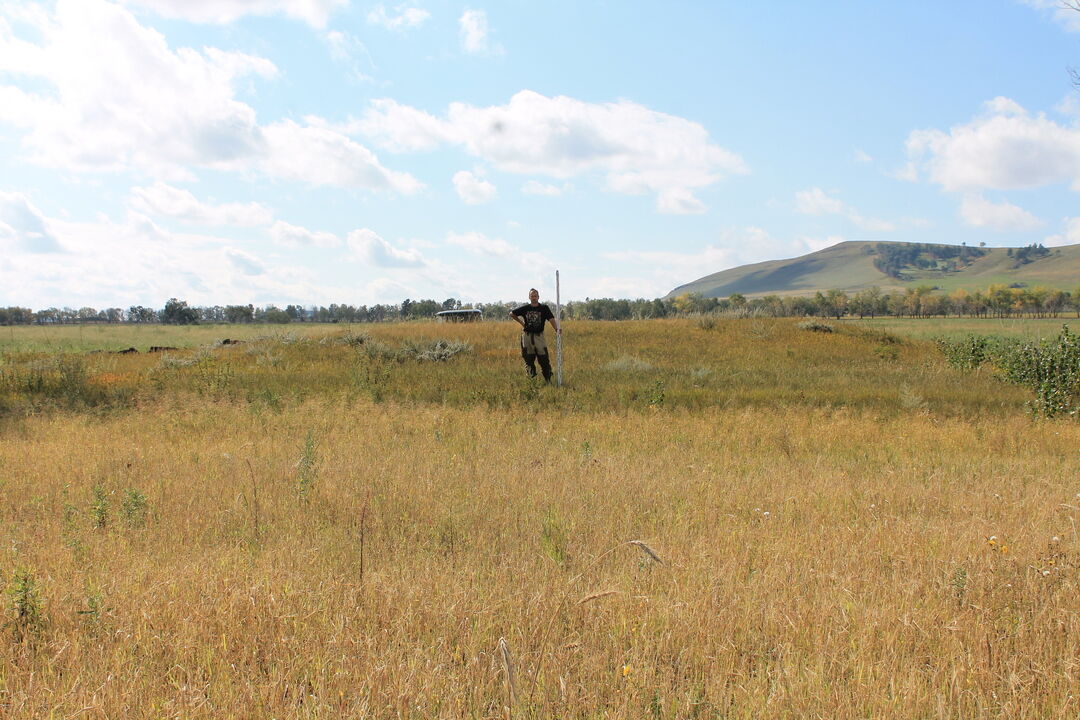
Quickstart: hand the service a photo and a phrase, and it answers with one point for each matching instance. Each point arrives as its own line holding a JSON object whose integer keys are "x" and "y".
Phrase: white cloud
{"x": 658, "y": 272}
{"x": 401, "y": 18}
{"x": 243, "y": 262}
{"x": 321, "y": 156}
{"x": 668, "y": 269}
{"x": 534, "y": 187}
{"x": 1067, "y": 17}
{"x": 862, "y": 157}
{"x": 313, "y": 12}
{"x": 679, "y": 201}
{"x": 812, "y": 244}
{"x": 1005, "y": 148}
{"x": 134, "y": 103}
{"x": 129, "y": 101}
{"x": 472, "y": 189}
{"x": 637, "y": 150}
{"x": 347, "y": 50}
{"x": 156, "y": 265}
{"x": 710, "y": 259}
{"x": 24, "y": 227}
{"x": 400, "y": 128}
{"x": 474, "y": 30}
{"x": 977, "y": 211}
{"x": 816, "y": 201}
{"x": 496, "y": 248}
{"x": 1071, "y": 235}
{"x": 294, "y": 236}
{"x": 168, "y": 201}
{"x": 388, "y": 290}
{"x": 367, "y": 246}
{"x": 480, "y": 244}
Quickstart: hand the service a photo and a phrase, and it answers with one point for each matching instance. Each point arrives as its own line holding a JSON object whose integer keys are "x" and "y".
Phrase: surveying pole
{"x": 558, "y": 335}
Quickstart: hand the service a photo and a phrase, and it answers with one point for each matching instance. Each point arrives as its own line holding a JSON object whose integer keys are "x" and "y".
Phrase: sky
{"x": 345, "y": 151}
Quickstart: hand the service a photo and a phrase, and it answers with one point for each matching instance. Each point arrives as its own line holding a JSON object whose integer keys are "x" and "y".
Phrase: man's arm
{"x": 516, "y": 319}
{"x": 553, "y": 321}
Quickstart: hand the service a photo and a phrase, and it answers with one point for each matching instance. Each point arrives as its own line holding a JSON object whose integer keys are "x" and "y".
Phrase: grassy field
{"x": 955, "y": 328}
{"x": 744, "y": 521}
{"x": 110, "y": 338}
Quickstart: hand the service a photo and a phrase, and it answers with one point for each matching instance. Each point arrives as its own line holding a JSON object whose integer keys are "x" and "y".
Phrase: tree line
{"x": 997, "y": 301}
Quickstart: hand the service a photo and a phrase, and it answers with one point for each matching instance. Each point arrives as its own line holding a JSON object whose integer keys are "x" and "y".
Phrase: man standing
{"x": 531, "y": 318}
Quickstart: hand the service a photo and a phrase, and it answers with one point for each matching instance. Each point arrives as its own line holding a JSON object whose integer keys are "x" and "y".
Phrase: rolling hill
{"x": 858, "y": 265}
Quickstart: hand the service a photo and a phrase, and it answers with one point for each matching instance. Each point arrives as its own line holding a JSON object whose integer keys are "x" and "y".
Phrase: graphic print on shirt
{"x": 534, "y": 321}
{"x": 533, "y": 317}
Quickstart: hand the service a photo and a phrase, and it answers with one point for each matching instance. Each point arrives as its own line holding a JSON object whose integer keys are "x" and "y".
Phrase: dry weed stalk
{"x": 647, "y": 550}
{"x": 363, "y": 527}
{"x": 597, "y": 596}
{"x": 254, "y": 503}
{"x": 508, "y": 674}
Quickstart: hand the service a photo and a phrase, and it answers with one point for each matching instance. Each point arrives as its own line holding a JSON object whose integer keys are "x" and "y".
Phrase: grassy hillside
{"x": 850, "y": 266}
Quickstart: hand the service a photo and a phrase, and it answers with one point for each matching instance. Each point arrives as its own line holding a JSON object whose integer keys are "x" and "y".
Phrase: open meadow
{"x": 713, "y": 518}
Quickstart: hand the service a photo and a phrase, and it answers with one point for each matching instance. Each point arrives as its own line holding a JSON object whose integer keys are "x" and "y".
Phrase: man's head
{"x": 534, "y": 296}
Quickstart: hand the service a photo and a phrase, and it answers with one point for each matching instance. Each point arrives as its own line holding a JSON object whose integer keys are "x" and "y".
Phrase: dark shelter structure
{"x": 468, "y": 315}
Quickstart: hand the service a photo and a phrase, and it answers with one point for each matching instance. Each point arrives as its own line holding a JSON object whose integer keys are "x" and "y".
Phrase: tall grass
{"x": 457, "y": 557}
{"x": 608, "y": 366}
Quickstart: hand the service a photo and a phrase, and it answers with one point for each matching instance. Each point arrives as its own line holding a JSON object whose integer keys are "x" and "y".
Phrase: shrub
{"x": 1050, "y": 368}
{"x": 967, "y": 353}
{"x": 815, "y": 326}
{"x": 434, "y": 350}
{"x": 99, "y": 507}
{"x": 27, "y": 614}
{"x": 133, "y": 508}
{"x": 351, "y": 338}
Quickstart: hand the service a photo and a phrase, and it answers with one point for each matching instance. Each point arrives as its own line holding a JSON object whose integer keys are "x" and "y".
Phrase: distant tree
{"x": 273, "y": 314}
{"x": 140, "y": 314}
{"x": 177, "y": 312}
{"x": 866, "y": 302}
{"x": 960, "y": 302}
{"x": 16, "y": 316}
{"x": 239, "y": 313}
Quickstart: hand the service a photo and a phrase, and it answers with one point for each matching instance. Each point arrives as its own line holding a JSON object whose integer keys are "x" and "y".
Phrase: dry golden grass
{"x": 465, "y": 560}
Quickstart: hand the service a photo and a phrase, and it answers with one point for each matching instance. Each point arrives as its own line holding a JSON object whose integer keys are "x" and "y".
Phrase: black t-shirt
{"x": 534, "y": 316}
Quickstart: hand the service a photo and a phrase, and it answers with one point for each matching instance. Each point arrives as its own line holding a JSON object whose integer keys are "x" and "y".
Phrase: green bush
{"x": 27, "y": 613}
{"x": 1050, "y": 368}
{"x": 967, "y": 353}
{"x": 815, "y": 326}
{"x": 434, "y": 350}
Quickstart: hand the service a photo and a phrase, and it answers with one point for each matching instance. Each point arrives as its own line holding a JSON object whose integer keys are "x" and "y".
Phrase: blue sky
{"x": 320, "y": 151}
